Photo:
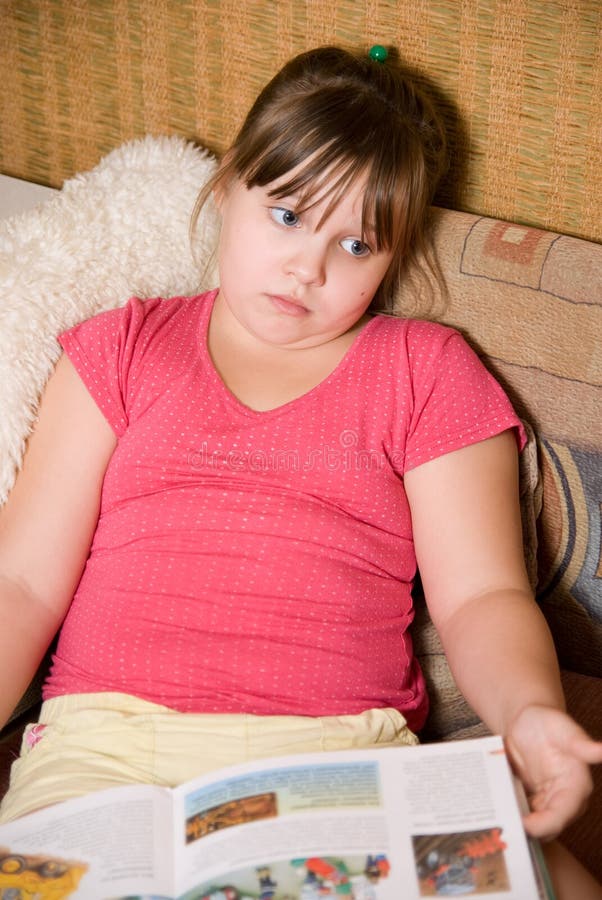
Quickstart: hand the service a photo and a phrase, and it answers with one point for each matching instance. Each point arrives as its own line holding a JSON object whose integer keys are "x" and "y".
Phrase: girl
{"x": 226, "y": 496}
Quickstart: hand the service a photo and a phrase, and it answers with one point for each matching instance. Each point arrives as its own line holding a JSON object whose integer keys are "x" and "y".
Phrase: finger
{"x": 588, "y": 750}
{"x": 542, "y": 826}
{"x": 553, "y": 809}
{"x": 547, "y": 825}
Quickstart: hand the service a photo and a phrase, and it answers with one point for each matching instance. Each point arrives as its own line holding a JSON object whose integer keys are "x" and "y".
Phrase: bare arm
{"x": 466, "y": 521}
{"x": 467, "y": 531}
{"x": 46, "y": 526}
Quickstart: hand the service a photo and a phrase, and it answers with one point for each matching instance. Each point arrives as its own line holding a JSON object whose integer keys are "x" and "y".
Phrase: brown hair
{"x": 334, "y": 115}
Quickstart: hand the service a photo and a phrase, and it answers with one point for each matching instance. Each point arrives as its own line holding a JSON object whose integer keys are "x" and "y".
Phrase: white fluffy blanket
{"x": 119, "y": 230}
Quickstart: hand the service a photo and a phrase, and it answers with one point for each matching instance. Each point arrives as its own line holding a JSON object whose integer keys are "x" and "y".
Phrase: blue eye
{"x": 355, "y": 247}
{"x": 284, "y": 216}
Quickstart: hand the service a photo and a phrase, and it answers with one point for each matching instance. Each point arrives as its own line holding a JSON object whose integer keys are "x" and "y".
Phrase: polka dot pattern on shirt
{"x": 261, "y": 561}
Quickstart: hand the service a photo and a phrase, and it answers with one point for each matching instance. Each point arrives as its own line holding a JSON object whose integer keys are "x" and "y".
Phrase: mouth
{"x": 288, "y": 305}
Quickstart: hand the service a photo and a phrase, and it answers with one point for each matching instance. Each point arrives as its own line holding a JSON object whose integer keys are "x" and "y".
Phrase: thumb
{"x": 586, "y": 748}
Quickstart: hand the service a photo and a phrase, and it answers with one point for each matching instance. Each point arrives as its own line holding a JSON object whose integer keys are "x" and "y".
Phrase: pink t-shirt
{"x": 261, "y": 562}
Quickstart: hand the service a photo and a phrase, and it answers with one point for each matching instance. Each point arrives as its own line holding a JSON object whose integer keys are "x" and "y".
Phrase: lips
{"x": 287, "y": 305}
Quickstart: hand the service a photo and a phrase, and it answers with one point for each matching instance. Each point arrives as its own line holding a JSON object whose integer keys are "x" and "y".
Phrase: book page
{"x": 408, "y": 822}
{"x": 412, "y": 822}
{"x": 109, "y": 844}
{"x": 464, "y": 825}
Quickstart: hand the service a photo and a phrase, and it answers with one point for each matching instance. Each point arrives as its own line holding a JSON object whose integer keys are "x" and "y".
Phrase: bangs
{"x": 322, "y": 166}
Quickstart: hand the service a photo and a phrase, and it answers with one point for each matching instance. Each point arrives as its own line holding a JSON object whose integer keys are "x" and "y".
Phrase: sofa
{"x": 125, "y": 106}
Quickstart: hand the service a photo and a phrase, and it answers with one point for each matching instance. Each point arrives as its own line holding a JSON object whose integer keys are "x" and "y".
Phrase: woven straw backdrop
{"x": 79, "y": 77}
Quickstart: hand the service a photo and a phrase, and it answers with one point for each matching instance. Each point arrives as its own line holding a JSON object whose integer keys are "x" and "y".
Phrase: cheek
{"x": 236, "y": 252}
{"x": 366, "y": 286}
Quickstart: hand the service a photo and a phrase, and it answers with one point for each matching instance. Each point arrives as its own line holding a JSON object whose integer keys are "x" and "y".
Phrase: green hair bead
{"x": 378, "y": 53}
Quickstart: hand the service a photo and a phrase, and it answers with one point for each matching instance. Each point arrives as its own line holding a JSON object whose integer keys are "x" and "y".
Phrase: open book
{"x": 387, "y": 824}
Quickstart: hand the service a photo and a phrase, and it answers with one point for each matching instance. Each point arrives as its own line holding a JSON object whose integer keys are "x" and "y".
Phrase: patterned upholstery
{"x": 531, "y": 304}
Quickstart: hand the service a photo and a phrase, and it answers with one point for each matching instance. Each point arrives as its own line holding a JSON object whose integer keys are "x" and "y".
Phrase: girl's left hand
{"x": 551, "y": 754}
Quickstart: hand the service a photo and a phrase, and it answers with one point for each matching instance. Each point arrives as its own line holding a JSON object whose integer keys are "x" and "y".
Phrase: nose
{"x": 307, "y": 263}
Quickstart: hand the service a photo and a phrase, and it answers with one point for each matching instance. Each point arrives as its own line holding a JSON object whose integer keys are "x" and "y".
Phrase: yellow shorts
{"x": 87, "y": 742}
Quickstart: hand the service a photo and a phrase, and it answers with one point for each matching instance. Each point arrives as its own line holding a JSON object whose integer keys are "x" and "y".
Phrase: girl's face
{"x": 291, "y": 279}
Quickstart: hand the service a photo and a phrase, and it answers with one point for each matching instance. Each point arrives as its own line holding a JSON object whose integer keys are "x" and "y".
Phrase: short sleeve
{"x": 456, "y": 400}
{"x": 102, "y": 350}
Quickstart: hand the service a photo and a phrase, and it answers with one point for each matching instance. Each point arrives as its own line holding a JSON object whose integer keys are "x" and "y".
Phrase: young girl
{"x": 226, "y": 496}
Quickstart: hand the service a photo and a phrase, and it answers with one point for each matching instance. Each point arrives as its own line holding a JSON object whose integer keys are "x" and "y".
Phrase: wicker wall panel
{"x": 78, "y": 77}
